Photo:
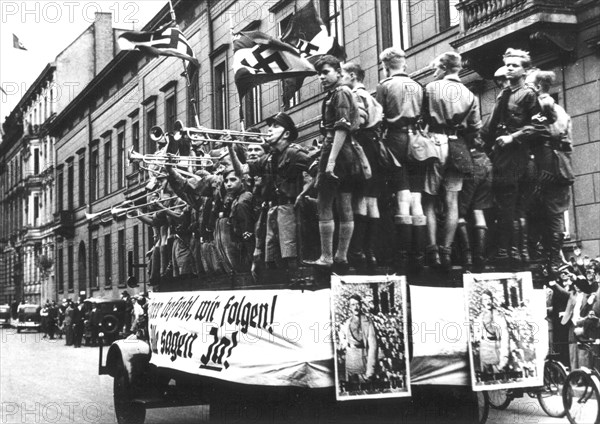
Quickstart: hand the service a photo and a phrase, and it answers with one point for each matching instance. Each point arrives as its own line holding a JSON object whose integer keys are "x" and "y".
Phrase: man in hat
{"x": 281, "y": 174}
{"x": 128, "y": 311}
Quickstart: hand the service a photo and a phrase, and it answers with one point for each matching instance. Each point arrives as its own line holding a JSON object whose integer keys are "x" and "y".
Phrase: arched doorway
{"x": 82, "y": 268}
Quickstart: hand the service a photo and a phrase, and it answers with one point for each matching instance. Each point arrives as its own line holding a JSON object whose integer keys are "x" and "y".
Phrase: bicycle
{"x": 550, "y": 395}
{"x": 581, "y": 392}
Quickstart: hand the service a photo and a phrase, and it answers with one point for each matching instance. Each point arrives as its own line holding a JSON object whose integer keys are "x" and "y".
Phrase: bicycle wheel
{"x": 580, "y": 398}
{"x": 499, "y": 399}
{"x": 550, "y": 397}
{"x": 483, "y": 407}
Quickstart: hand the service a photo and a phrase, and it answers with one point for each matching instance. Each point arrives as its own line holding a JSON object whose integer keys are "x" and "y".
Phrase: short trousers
{"x": 438, "y": 173}
{"x": 281, "y": 233}
{"x": 476, "y": 193}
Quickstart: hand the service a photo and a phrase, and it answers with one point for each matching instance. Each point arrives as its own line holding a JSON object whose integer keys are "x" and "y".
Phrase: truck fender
{"x": 134, "y": 354}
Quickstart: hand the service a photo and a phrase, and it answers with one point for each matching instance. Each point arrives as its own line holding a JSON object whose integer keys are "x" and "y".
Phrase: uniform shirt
{"x": 281, "y": 172}
{"x": 401, "y": 98}
{"x": 242, "y": 215}
{"x": 339, "y": 111}
{"x": 510, "y": 162}
{"x": 449, "y": 103}
{"x": 370, "y": 111}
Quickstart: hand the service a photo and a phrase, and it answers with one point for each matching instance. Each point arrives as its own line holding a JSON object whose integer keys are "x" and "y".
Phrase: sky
{"x": 47, "y": 27}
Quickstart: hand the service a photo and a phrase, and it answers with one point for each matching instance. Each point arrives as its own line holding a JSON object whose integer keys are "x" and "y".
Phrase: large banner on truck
{"x": 264, "y": 337}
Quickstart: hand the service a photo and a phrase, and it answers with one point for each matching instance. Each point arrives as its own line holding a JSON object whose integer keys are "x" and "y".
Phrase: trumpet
{"x": 105, "y": 216}
{"x": 159, "y": 161}
{"x": 128, "y": 207}
{"x": 201, "y": 134}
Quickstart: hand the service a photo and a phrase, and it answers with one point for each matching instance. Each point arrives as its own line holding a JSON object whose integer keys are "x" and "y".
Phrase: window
{"x": 281, "y": 27}
{"x": 59, "y": 190}
{"x": 170, "y": 112}
{"x": 331, "y": 13}
{"x": 95, "y": 173}
{"x": 107, "y": 166}
{"x": 107, "y": 261}
{"x": 121, "y": 157}
{"x": 81, "y": 180}
{"x": 122, "y": 258}
{"x": 95, "y": 264}
{"x": 36, "y": 161}
{"x": 70, "y": 184}
{"x": 70, "y": 267}
{"x": 253, "y": 106}
{"x": 150, "y": 122}
{"x": 395, "y": 24}
{"x": 135, "y": 141}
{"x": 36, "y": 210}
{"x": 220, "y": 110}
{"x": 60, "y": 270}
{"x": 448, "y": 15}
{"x": 136, "y": 250}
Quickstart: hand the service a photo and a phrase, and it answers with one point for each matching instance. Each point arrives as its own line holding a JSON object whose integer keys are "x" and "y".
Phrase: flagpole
{"x": 185, "y": 72}
{"x": 241, "y": 109}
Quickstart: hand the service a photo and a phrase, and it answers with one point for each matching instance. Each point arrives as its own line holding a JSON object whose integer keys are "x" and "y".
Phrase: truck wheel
{"x": 126, "y": 411}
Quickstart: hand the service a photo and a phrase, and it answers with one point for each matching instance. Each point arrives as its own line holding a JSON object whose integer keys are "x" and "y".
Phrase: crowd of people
{"x": 406, "y": 178}
{"x": 79, "y": 318}
{"x": 573, "y": 306}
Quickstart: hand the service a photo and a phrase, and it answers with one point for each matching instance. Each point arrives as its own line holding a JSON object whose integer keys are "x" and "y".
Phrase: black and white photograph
{"x": 370, "y": 337}
{"x": 185, "y": 184}
{"x": 504, "y": 344}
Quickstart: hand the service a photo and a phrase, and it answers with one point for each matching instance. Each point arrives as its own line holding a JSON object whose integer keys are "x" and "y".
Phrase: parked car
{"x": 110, "y": 319}
{"x": 28, "y": 317}
{"x": 4, "y": 316}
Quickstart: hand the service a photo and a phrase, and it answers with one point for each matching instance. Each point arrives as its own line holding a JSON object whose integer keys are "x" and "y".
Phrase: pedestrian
{"x": 128, "y": 312}
{"x": 78, "y": 324}
{"x": 68, "y": 323}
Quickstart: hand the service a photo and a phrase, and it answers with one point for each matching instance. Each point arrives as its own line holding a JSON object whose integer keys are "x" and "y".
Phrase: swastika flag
{"x": 162, "y": 42}
{"x": 259, "y": 58}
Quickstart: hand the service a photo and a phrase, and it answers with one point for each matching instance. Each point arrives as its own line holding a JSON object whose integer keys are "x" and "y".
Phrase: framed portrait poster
{"x": 507, "y": 330}
{"x": 370, "y": 337}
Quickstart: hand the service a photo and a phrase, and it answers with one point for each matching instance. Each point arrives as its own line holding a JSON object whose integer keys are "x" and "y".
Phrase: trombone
{"x": 202, "y": 134}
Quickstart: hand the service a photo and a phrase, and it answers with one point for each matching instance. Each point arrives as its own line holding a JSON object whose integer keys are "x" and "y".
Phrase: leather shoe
{"x": 341, "y": 268}
{"x": 318, "y": 264}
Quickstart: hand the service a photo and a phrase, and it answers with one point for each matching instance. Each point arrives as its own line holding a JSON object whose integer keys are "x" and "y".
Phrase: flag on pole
{"x": 17, "y": 43}
{"x": 162, "y": 42}
{"x": 259, "y": 58}
{"x": 2, "y": 89}
{"x": 307, "y": 32}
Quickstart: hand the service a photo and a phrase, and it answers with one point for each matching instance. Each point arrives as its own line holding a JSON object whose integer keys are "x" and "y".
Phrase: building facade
{"x": 28, "y": 172}
{"x": 132, "y": 93}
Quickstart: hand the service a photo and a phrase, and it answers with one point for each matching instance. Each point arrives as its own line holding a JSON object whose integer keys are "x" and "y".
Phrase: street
{"x": 43, "y": 381}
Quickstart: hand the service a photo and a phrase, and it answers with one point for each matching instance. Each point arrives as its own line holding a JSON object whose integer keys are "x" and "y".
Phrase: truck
{"x": 263, "y": 352}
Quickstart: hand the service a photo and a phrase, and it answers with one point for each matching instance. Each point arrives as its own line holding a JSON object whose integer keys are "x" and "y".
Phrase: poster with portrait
{"x": 508, "y": 336}
{"x": 370, "y": 337}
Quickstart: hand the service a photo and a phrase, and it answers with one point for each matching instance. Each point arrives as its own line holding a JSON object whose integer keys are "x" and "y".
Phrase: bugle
{"x": 159, "y": 161}
{"x": 202, "y": 134}
{"x": 128, "y": 207}
{"x": 105, "y": 216}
